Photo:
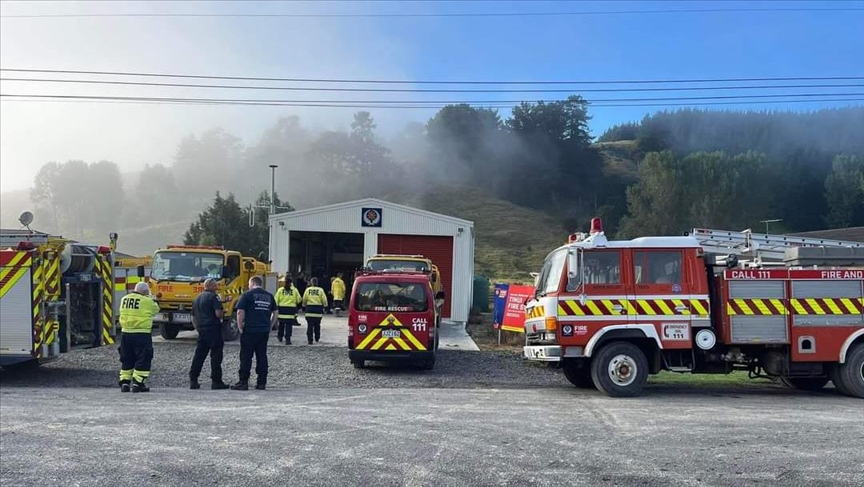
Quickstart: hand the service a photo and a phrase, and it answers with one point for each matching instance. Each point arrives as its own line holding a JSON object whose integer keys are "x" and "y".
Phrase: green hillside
{"x": 510, "y": 241}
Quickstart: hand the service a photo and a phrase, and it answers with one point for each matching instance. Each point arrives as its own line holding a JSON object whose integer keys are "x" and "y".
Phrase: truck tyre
{"x": 804, "y": 383}
{"x": 579, "y": 376}
{"x": 619, "y": 369}
{"x": 230, "y": 332}
{"x": 851, "y": 373}
{"x": 837, "y": 381}
{"x": 429, "y": 363}
{"x": 169, "y": 331}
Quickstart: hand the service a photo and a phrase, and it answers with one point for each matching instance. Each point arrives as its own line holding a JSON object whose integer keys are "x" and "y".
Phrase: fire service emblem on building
{"x": 371, "y": 217}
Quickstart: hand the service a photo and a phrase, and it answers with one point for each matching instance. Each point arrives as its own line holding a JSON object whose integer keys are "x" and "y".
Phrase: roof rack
{"x": 760, "y": 246}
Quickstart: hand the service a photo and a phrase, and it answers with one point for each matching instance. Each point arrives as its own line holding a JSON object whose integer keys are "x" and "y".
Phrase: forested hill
{"x": 729, "y": 169}
{"x": 776, "y": 134}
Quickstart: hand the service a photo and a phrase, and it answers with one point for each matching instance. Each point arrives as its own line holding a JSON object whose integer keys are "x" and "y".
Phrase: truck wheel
{"x": 169, "y": 331}
{"x": 429, "y": 363}
{"x": 851, "y": 373}
{"x": 804, "y": 383}
{"x": 838, "y": 382}
{"x": 579, "y": 376}
{"x": 230, "y": 332}
{"x": 619, "y": 369}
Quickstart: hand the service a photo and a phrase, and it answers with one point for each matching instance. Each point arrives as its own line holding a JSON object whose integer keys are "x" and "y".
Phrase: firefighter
{"x": 207, "y": 319}
{"x": 287, "y": 299}
{"x": 137, "y": 310}
{"x": 314, "y": 300}
{"x": 338, "y": 290}
{"x": 256, "y": 314}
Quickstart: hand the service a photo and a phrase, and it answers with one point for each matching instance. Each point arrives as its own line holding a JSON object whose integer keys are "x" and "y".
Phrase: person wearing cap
{"x": 137, "y": 310}
{"x": 207, "y": 319}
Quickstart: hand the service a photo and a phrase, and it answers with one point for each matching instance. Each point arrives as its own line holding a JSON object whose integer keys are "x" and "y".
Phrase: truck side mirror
{"x": 140, "y": 270}
{"x": 226, "y": 271}
{"x": 249, "y": 266}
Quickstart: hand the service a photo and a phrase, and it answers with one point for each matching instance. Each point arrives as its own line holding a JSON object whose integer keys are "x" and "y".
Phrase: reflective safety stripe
{"x": 535, "y": 312}
{"x": 406, "y": 341}
{"x": 635, "y": 307}
{"x": 827, "y": 306}
{"x": 287, "y": 312}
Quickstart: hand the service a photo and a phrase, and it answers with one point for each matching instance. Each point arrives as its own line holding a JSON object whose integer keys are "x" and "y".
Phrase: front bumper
{"x": 543, "y": 353}
{"x": 389, "y": 355}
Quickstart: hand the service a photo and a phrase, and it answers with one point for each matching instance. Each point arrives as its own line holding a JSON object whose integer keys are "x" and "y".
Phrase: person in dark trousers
{"x": 207, "y": 319}
{"x": 301, "y": 288}
{"x": 287, "y": 300}
{"x": 256, "y": 315}
{"x": 137, "y": 310}
{"x": 315, "y": 300}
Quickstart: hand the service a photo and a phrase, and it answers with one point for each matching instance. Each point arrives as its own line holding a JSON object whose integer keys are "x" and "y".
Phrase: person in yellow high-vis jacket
{"x": 137, "y": 310}
{"x": 314, "y": 300}
{"x": 338, "y": 290}
{"x": 287, "y": 300}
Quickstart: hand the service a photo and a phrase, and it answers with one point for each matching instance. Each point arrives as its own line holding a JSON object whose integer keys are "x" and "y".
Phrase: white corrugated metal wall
{"x": 395, "y": 219}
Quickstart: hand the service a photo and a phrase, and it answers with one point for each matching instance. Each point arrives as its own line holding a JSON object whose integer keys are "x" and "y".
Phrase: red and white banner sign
{"x": 514, "y": 310}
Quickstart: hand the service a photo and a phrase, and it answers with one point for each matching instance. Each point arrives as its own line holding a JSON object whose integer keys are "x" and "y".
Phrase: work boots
{"x": 240, "y": 386}
{"x": 139, "y": 387}
{"x": 193, "y": 384}
{"x": 124, "y": 385}
{"x": 218, "y": 386}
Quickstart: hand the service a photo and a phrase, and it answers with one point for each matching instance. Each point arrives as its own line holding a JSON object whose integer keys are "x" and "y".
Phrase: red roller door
{"x": 439, "y": 249}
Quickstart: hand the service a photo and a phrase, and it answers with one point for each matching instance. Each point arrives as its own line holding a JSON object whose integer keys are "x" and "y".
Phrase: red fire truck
{"x": 612, "y": 312}
{"x": 393, "y": 317}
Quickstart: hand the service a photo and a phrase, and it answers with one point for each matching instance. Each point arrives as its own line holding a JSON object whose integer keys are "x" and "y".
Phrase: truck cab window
{"x": 657, "y": 267}
{"x": 550, "y": 276}
{"x": 602, "y": 267}
{"x": 234, "y": 265}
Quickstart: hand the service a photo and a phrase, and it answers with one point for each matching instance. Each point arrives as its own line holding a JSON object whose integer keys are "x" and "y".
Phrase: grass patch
{"x": 734, "y": 379}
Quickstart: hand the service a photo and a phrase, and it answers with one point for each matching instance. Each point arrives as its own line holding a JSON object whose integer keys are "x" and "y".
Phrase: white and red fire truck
{"x": 56, "y": 295}
{"x": 612, "y": 312}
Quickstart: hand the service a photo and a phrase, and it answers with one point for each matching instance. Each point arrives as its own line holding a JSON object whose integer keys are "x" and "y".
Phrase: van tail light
{"x": 551, "y": 323}
{"x": 350, "y": 330}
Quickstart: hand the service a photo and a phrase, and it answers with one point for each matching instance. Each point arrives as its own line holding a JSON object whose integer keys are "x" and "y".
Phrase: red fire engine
{"x": 613, "y": 312}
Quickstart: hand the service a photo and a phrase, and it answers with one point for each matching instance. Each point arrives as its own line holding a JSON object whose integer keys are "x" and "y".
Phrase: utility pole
{"x": 273, "y": 189}
{"x": 766, "y": 222}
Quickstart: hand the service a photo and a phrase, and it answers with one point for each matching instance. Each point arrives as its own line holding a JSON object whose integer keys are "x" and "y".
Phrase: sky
{"x": 598, "y": 47}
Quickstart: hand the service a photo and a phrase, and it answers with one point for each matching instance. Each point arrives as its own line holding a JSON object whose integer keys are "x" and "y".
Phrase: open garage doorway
{"x": 324, "y": 254}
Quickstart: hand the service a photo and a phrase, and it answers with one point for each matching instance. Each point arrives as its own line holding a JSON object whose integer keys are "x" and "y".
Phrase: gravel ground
{"x": 294, "y": 366}
{"x": 427, "y": 437}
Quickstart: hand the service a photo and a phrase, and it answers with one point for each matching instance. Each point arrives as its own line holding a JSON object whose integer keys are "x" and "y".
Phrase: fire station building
{"x": 321, "y": 242}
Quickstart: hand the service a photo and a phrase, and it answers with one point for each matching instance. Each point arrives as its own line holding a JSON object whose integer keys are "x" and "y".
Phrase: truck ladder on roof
{"x": 760, "y": 246}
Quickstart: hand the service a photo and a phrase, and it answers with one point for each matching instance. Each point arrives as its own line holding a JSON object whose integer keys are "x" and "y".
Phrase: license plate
{"x": 391, "y": 334}
{"x": 182, "y": 318}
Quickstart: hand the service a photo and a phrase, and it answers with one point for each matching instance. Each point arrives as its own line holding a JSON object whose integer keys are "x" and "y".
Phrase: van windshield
{"x": 398, "y": 265}
{"x": 378, "y": 296}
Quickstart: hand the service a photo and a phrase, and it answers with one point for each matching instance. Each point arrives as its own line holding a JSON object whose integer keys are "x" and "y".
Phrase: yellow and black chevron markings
{"x": 535, "y": 312}
{"x": 636, "y": 307}
{"x": 406, "y": 341}
{"x": 106, "y": 274}
{"x": 808, "y": 306}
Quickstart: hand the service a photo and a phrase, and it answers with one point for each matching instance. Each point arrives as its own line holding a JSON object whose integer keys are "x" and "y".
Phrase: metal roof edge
{"x": 370, "y": 201}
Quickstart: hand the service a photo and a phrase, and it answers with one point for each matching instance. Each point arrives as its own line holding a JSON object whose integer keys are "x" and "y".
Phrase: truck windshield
{"x": 186, "y": 266}
{"x": 397, "y": 265}
{"x": 377, "y": 296}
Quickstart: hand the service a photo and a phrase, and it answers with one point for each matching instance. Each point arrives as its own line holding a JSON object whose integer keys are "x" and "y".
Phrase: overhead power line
{"x": 426, "y": 90}
{"x": 420, "y": 102}
{"x": 585, "y": 13}
{"x": 415, "y": 107}
{"x": 438, "y": 82}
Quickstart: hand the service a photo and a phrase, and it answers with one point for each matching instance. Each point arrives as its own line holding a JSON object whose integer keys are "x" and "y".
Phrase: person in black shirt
{"x": 207, "y": 319}
{"x": 256, "y": 315}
